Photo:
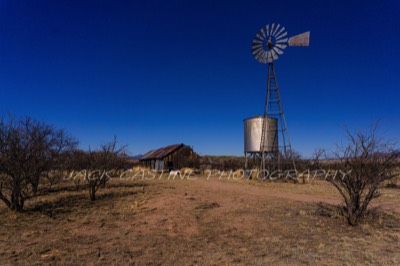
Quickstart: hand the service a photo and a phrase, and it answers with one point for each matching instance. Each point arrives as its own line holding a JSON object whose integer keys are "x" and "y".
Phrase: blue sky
{"x": 155, "y": 73}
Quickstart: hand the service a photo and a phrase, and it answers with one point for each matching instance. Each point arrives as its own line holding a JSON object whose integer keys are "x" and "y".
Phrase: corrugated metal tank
{"x": 253, "y": 131}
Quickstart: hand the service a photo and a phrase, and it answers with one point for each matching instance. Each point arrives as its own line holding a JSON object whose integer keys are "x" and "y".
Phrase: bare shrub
{"x": 313, "y": 165}
{"x": 53, "y": 177}
{"x": 28, "y": 148}
{"x": 366, "y": 162}
{"x": 101, "y": 163}
{"x": 61, "y": 168}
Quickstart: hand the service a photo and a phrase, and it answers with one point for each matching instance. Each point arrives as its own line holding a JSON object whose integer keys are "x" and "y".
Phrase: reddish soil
{"x": 199, "y": 222}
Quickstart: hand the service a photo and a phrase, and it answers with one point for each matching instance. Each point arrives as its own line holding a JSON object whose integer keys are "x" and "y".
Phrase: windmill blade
{"x": 282, "y": 40}
{"x": 281, "y": 35}
{"x": 272, "y": 29}
{"x": 260, "y": 56}
{"x": 263, "y": 33}
{"x": 277, "y": 34}
{"x": 257, "y": 41}
{"x": 281, "y": 46}
{"x": 267, "y": 30}
{"x": 274, "y": 55}
{"x": 257, "y": 51}
{"x": 264, "y": 56}
{"x": 256, "y": 45}
{"x": 278, "y": 51}
{"x": 268, "y": 56}
{"x": 259, "y": 36}
{"x": 257, "y": 56}
{"x": 300, "y": 40}
{"x": 276, "y": 29}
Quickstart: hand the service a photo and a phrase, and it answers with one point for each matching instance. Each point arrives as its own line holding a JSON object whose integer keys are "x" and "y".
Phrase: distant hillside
{"x": 136, "y": 157}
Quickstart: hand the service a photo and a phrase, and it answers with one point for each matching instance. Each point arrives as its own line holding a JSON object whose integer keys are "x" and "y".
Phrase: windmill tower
{"x": 273, "y": 138}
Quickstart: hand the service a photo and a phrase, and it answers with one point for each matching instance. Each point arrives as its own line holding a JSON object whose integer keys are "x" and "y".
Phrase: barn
{"x": 173, "y": 157}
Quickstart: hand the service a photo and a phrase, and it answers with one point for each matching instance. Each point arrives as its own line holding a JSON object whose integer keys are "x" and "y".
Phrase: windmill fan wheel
{"x": 269, "y": 43}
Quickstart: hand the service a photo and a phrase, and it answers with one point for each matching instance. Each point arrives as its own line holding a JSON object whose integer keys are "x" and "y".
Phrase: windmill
{"x": 267, "y": 46}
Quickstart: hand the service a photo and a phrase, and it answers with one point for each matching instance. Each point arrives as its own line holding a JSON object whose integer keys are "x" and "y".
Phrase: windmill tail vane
{"x": 300, "y": 40}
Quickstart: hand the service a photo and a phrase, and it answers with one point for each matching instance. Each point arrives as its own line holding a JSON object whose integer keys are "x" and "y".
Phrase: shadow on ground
{"x": 69, "y": 203}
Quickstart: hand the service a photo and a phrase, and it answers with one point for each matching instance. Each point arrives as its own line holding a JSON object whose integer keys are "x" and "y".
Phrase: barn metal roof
{"x": 161, "y": 153}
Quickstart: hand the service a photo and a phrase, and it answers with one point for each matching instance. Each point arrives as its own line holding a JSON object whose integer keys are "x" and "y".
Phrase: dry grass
{"x": 196, "y": 222}
{"x": 186, "y": 170}
{"x": 139, "y": 169}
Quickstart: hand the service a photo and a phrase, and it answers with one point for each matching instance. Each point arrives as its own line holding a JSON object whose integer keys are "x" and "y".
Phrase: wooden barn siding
{"x": 178, "y": 158}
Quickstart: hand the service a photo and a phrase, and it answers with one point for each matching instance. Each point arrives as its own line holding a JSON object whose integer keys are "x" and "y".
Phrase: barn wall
{"x": 174, "y": 161}
{"x": 179, "y": 158}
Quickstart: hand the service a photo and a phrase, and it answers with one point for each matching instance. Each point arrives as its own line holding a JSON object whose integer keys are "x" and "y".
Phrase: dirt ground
{"x": 199, "y": 222}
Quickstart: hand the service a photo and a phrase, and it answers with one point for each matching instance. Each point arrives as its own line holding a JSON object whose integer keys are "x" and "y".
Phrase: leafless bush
{"x": 28, "y": 148}
{"x": 395, "y": 182}
{"x": 101, "y": 163}
{"x": 366, "y": 162}
{"x": 312, "y": 165}
{"x": 53, "y": 177}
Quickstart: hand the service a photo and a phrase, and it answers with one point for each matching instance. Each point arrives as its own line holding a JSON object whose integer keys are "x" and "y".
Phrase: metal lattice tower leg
{"x": 274, "y": 109}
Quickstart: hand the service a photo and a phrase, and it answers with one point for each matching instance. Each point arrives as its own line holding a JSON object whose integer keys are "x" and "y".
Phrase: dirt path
{"x": 229, "y": 219}
{"x": 197, "y": 222}
{"x": 265, "y": 192}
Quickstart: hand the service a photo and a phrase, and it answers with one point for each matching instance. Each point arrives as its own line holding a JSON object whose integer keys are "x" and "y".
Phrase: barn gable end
{"x": 173, "y": 157}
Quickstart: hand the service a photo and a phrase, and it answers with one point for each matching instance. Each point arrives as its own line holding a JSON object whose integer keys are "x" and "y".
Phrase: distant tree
{"x": 316, "y": 158}
{"x": 28, "y": 148}
{"x": 306, "y": 166}
{"x": 61, "y": 167}
{"x": 193, "y": 162}
{"x": 102, "y": 162}
{"x": 367, "y": 161}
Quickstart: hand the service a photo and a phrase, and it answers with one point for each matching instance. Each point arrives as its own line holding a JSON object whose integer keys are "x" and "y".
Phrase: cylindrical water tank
{"x": 253, "y": 131}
